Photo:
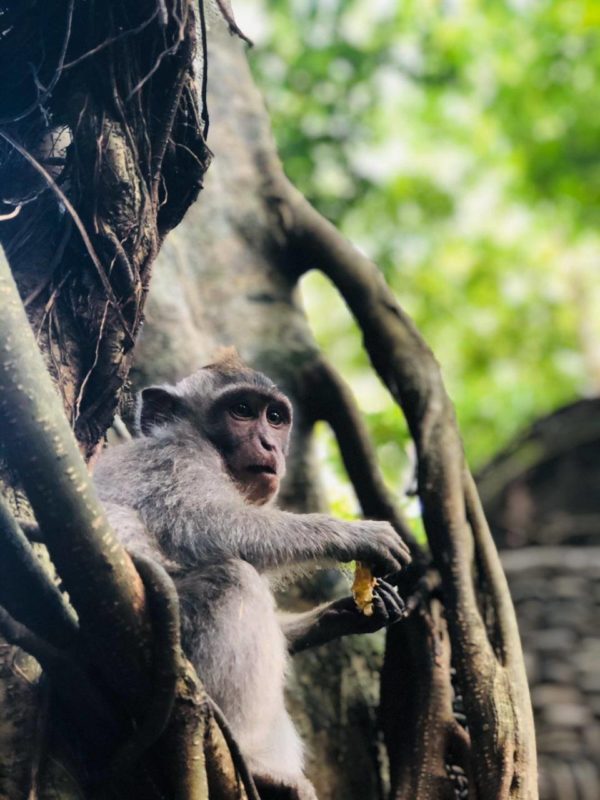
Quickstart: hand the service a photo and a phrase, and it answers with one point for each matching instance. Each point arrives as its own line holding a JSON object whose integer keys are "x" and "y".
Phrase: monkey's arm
{"x": 270, "y": 539}
{"x": 341, "y": 618}
{"x": 183, "y": 503}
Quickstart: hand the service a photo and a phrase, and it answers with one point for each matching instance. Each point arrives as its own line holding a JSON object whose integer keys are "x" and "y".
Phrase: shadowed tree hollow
{"x": 104, "y": 123}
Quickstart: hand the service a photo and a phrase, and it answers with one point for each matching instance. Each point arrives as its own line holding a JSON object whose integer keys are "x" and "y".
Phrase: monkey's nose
{"x": 267, "y": 444}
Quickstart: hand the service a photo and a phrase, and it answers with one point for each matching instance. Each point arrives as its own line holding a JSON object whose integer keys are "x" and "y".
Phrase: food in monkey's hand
{"x": 362, "y": 588}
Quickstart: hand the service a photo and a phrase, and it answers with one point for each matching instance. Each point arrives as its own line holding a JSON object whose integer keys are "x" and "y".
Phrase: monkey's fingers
{"x": 398, "y": 549}
{"x": 400, "y": 552}
{"x": 378, "y": 558}
{"x": 394, "y": 604}
{"x": 386, "y": 612}
{"x": 404, "y": 550}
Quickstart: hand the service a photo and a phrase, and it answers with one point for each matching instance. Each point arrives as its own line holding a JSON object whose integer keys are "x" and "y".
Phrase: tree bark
{"x": 95, "y": 169}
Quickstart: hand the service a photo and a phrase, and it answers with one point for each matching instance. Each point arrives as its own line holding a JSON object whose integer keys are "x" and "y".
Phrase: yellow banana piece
{"x": 362, "y": 588}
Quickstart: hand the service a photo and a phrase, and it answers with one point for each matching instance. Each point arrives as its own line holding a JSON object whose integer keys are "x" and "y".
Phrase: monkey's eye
{"x": 274, "y": 417}
{"x": 241, "y": 411}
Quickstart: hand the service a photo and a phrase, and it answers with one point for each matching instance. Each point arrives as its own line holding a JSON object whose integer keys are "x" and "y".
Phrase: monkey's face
{"x": 241, "y": 413}
{"x": 254, "y": 433}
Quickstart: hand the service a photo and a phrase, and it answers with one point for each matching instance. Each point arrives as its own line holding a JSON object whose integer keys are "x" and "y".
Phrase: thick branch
{"x": 223, "y": 780}
{"x": 333, "y": 402}
{"x": 419, "y": 727}
{"x": 497, "y": 701}
{"x": 99, "y": 576}
{"x": 238, "y": 762}
{"x": 182, "y": 751}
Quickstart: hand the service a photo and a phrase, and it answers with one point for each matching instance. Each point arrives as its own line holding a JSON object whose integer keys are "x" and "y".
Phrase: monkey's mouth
{"x": 261, "y": 469}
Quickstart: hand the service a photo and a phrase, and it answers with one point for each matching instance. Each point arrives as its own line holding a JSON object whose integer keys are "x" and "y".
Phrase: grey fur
{"x": 169, "y": 497}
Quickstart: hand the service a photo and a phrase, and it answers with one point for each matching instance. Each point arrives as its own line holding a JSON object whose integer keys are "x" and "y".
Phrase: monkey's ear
{"x": 157, "y": 405}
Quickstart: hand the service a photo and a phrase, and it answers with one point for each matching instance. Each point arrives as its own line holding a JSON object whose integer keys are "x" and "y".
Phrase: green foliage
{"x": 456, "y": 142}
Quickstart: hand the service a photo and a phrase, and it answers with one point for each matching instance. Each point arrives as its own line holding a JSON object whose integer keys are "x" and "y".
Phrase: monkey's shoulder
{"x": 156, "y": 453}
{"x": 151, "y": 468}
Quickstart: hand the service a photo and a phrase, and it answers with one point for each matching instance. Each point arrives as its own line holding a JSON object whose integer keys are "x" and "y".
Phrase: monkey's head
{"x": 238, "y": 410}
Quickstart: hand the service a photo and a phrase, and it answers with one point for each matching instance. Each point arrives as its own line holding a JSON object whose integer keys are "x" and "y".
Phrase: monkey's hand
{"x": 342, "y": 617}
{"x": 376, "y": 544}
{"x": 388, "y": 608}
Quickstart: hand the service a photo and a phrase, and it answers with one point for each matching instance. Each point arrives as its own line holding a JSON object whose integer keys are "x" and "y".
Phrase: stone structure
{"x": 542, "y": 497}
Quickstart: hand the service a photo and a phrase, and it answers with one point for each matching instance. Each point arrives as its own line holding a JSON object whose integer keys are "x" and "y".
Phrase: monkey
{"x": 195, "y": 491}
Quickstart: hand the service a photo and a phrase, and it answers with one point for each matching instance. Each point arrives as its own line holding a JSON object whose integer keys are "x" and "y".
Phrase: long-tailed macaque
{"x": 195, "y": 492}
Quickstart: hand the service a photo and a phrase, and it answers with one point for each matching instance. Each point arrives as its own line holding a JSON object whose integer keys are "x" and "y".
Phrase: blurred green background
{"x": 455, "y": 143}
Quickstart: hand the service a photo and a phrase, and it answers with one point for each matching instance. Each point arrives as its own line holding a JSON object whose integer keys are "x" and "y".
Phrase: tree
{"x": 125, "y": 165}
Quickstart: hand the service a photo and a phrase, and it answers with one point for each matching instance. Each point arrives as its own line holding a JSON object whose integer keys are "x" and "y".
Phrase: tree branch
{"x": 418, "y": 725}
{"x": 496, "y": 699}
{"x": 237, "y": 758}
{"x": 39, "y": 445}
{"x": 163, "y": 607}
{"x": 224, "y": 782}
{"x": 333, "y": 401}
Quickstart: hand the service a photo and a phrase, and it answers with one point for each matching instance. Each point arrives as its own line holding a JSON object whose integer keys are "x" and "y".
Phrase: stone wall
{"x": 556, "y": 591}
